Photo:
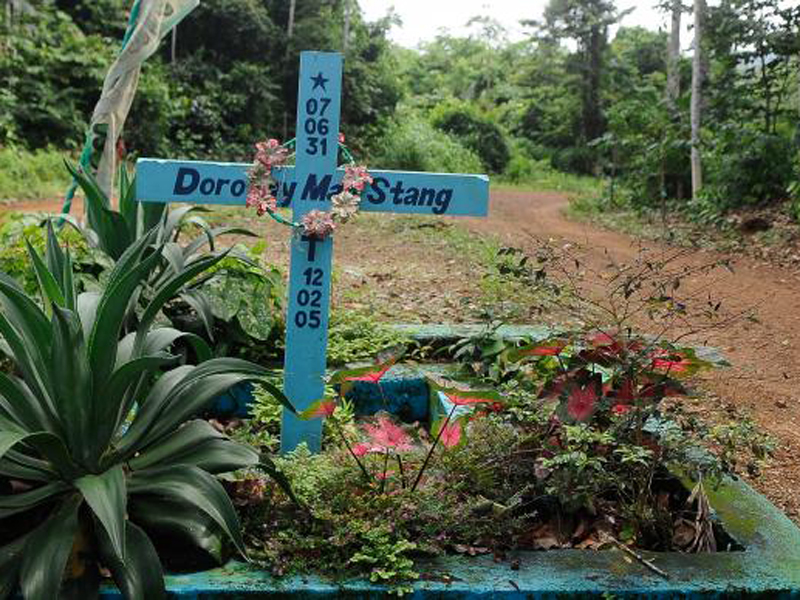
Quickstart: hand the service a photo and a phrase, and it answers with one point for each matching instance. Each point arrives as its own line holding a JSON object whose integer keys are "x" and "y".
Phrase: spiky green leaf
{"x": 140, "y": 576}
{"x": 197, "y": 443}
{"x": 195, "y": 486}
{"x": 47, "y": 550}
{"x": 106, "y": 494}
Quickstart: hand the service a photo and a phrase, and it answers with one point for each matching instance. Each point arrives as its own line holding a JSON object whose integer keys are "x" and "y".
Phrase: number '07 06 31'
{"x": 317, "y": 126}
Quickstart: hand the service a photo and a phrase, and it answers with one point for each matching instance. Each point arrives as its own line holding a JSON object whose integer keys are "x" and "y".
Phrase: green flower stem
{"x": 402, "y": 471}
{"x": 385, "y": 468}
{"x": 433, "y": 447}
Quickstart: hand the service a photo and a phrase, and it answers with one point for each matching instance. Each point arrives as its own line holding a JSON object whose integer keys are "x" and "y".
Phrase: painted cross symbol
{"x": 306, "y": 186}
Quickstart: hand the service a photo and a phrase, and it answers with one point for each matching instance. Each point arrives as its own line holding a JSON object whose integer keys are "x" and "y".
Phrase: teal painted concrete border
{"x": 769, "y": 567}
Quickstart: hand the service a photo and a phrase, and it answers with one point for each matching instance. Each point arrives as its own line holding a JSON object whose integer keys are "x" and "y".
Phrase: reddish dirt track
{"x": 765, "y": 354}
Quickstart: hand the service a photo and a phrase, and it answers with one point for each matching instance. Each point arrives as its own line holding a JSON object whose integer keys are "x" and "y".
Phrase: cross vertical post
{"x": 317, "y": 149}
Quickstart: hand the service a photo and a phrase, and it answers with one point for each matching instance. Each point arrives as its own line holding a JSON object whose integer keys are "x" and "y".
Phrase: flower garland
{"x": 317, "y": 224}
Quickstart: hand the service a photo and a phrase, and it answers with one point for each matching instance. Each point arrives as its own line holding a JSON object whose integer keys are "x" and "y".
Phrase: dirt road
{"x": 765, "y": 354}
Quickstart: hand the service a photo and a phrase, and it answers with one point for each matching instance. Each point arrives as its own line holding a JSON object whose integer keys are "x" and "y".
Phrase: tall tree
{"x": 586, "y": 22}
{"x": 698, "y": 75}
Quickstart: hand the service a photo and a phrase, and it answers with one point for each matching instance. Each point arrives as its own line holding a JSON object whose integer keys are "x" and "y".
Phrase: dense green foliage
{"x": 219, "y": 94}
{"x": 583, "y": 94}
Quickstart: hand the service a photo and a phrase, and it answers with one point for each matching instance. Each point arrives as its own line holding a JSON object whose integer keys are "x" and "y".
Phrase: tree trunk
{"x": 698, "y": 74}
{"x": 346, "y": 32}
{"x": 673, "y": 58}
{"x": 592, "y": 112}
{"x": 290, "y": 25}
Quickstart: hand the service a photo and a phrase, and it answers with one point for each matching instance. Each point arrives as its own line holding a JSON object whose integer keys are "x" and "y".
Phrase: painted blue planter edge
{"x": 769, "y": 567}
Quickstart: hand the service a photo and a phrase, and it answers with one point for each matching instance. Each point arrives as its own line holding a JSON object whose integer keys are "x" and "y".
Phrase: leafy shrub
{"x": 578, "y": 159}
{"x": 357, "y": 336}
{"x": 53, "y": 72}
{"x": 520, "y": 168}
{"x": 477, "y": 133}
{"x": 794, "y": 191}
{"x": 221, "y": 112}
{"x": 22, "y": 229}
{"x": 95, "y": 430}
{"x": 747, "y": 167}
{"x": 411, "y": 144}
{"x": 245, "y": 300}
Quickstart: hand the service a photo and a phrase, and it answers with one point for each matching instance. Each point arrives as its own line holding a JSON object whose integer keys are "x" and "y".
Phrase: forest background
{"x": 569, "y": 98}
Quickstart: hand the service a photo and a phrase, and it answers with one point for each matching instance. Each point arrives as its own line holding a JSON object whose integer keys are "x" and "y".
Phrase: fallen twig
{"x": 641, "y": 559}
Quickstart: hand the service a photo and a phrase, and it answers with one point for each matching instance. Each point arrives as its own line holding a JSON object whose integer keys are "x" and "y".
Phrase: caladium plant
{"x": 385, "y": 437}
{"x": 96, "y": 436}
{"x": 617, "y": 372}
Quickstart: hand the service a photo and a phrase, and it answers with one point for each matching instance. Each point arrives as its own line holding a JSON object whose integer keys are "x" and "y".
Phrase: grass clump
{"x": 30, "y": 175}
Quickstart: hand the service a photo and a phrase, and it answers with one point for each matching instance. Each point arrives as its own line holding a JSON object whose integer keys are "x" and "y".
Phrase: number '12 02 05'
{"x": 310, "y": 300}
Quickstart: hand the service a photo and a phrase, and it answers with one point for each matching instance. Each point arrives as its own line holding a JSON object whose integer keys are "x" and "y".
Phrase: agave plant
{"x": 96, "y": 436}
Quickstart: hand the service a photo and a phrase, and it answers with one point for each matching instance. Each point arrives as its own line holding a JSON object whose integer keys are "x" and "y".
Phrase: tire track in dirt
{"x": 765, "y": 353}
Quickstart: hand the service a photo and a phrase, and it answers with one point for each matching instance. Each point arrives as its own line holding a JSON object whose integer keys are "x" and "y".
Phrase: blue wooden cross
{"x": 306, "y": 186}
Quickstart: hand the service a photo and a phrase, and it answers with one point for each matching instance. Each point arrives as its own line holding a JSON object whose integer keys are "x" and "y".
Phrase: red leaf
{"x": 451, "y": 434}
{"x": 385, "y": 434}
{"x": 372, "y": 377}
{"x": 675, "y": 366}
{"x": 603, "y": 339}
{"x": 626, "y": 392}
{"x": 581, "y": 403}
{"x": 459, "y": 400}
{"x": 363, "y": 449}
{"x": 319, "y": 410}
{"x": 546, "y": 348}
{"x": 621, "y": 409}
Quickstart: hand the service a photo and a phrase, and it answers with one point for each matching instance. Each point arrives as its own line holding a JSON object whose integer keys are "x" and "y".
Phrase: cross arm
{"x": 200, "y": 182}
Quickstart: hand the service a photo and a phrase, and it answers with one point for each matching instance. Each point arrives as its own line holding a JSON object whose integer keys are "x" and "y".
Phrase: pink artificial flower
{"x": 385, "y": 435}
{"x": 581, "y": 403}
{"x": 344, "y": 206}
{"x": 356, "y": 177}
{"x": 270, "y": 153}
{"x": 341, "y": 138}
{"x": 259, "y": 197}
{"x": 318, "y": 224}
{"x": 265, "y": 206}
